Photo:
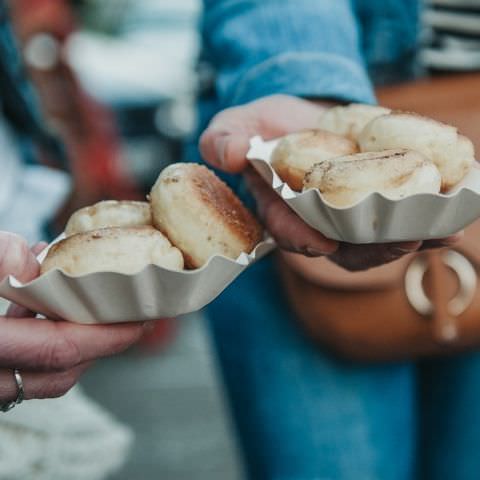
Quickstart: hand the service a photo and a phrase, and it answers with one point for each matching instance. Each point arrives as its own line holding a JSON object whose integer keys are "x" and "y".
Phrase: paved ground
{"x": 174, "y": 403}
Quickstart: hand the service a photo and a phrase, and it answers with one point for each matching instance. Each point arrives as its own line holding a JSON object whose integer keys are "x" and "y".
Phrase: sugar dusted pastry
{"x": 296, "y": 153}
{"x": 122, "y": 250}
{"x": 394, "y": 173}
{"x": 109, "y": 213}
{"x": 350, "y": 120}
{"x": 201, "y": 215}
{"x": 453, "y": 154}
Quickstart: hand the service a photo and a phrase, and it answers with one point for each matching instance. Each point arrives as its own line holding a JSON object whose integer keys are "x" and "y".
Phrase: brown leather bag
{"x": 423, "y": 304}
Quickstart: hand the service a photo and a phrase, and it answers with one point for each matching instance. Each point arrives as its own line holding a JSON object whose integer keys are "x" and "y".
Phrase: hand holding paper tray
{"x": 106, "y": 297}
{"x": 377, "y": 219}
{"x": 124, "y": 261}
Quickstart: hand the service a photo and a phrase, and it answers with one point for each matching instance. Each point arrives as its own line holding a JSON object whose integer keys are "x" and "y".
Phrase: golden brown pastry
{"x": 453, "y": 154}
{"x": 122, "y": 250}
{"x": 393, "y": 173}
{"x": 109, "y": 213}
{"x": 351, "y": 119}
{"x": 201, "y": 215}
{"x": 296, "y": 153}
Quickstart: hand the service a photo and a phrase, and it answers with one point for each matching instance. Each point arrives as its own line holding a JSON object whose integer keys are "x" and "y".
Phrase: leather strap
{"x": 444, "y": 325}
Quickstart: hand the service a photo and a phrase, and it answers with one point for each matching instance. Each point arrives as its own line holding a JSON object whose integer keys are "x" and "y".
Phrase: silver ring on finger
{"x": 6, "y": 407}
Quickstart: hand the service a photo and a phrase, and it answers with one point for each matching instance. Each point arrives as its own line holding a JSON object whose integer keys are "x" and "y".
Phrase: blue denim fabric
{"x": 300, "y": 414}
{"x": 285, "y": 46}
{"x": 323, "y": 48}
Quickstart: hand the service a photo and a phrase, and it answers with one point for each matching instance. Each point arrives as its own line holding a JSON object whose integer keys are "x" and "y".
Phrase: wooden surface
{"x": 453, "y": 99}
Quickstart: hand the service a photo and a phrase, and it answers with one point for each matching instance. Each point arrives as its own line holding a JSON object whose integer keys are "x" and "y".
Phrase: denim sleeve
{"x": 304, "y": 47}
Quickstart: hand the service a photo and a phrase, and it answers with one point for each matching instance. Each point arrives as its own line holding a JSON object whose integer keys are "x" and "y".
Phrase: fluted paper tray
{"x": 107, "y": 297}
{"x": 377, "y": 219}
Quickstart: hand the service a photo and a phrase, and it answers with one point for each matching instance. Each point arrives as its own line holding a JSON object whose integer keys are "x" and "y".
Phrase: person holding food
{"x": 300, "y": 412}
{"x": 276, "y": 68}
{"x": 39, "y": 358}
{"x": 44, "y": 358}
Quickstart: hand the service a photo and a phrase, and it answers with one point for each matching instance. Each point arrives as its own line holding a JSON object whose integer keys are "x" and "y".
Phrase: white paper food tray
{"x": 108, "y": 297}
{"x": 377, "y": 219}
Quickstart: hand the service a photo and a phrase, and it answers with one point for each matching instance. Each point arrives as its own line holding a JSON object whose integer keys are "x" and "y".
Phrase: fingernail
{"x": 220, "y": 147}
{"x": 404, "y": 248}
{"x": 452, "y": 240}
{"x": 399, "y": 251}
{"x": 313, "y": 252}
{"x": 317, "y": 252}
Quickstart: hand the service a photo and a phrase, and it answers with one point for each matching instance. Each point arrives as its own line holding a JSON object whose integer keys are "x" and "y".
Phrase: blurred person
{"x": 39, "y": 358}
{"x": 86, "y": 127}
{"x": 275, "y": 65}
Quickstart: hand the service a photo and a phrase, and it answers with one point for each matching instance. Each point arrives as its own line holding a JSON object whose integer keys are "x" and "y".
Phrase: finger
{"x": 17, "y": 311}
{"x": 362, "y": 257}
{"x": 45, "y": 345}
{"x": 225, "y": 142}
{"x": 38, "y": 248}
{"x": 16, "y": 258}
{"x": 443, "y": 242}
{"x": 39, "y": 385}
{"x": 288, "y": 229}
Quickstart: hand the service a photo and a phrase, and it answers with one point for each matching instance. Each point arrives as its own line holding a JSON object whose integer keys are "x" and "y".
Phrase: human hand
{"x": 224, "y": 145}
{"x": 50, "y": 355}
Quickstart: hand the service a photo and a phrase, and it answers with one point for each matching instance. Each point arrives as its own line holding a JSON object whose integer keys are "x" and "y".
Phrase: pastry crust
{"x": 296, "y": 153}
{"x": 453, "y": 154}
{"x": 109, "y": 213}
{"x": 201, "y": 215}
{"x": 122, "y": 250}
{"x": 351, "y": 119}
{"x": 393, "y": 173}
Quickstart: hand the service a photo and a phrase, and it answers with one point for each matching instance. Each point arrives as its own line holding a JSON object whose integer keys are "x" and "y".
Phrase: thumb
{"x": 30, "y": 271}
{"x": 225, "y": 142}
{"x": 38, "y": 248}
{"x": 16, "y": 258}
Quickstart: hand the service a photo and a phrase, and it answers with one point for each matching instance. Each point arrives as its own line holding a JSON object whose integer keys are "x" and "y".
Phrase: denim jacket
{"x": 312, "y": 48}
{"x": 335, "y": 49}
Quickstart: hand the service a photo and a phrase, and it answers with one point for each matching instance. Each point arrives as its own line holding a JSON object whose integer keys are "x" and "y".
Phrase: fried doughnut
{"x": 109, "y": 213}
{"x": 122, "y": 250}
{"x": 453, "y": 154}
{"x": 393, "y": 173}
{"x": 201, "y": 215}
{"x": 351, "y": 119}
{"x": 296, "y": 153}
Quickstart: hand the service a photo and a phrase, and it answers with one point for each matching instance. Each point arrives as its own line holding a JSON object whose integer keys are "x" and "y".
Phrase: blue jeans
{"x": 302, "y": 415}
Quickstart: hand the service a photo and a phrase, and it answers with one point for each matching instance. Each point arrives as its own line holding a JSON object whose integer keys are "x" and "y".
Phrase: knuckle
{"x": 60, "y": 353}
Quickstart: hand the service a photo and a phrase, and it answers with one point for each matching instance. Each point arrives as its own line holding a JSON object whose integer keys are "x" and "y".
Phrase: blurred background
{"x": 117, "y": 81}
